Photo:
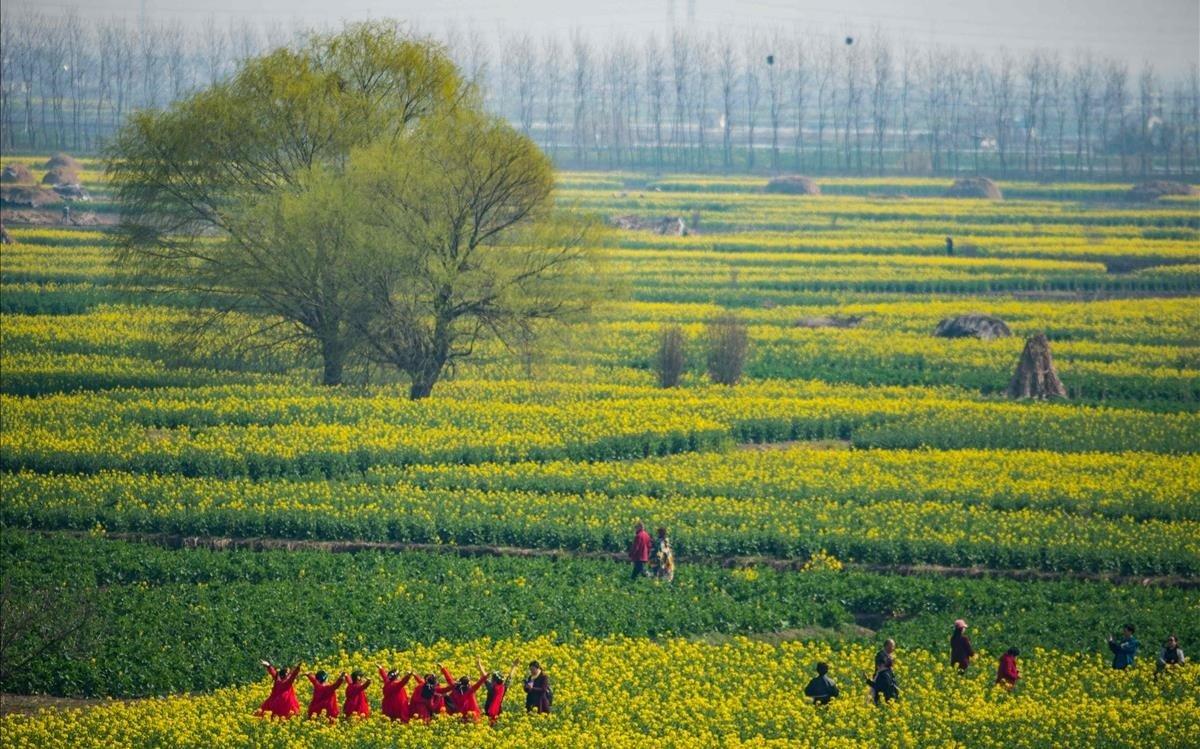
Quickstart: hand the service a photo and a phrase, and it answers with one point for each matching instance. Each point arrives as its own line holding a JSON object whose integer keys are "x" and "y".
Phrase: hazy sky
{"x": 1166, "y": 32}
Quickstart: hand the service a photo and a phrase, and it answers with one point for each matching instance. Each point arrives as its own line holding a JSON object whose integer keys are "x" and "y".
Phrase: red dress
{"x": 459, "y": 701}
{"x": 425, "y": 706}
{"x": 282, "y": 703}
{"x": 1007, "y": 672}
{"x": 395, "y": 697}
{"x": 495, "y": 701}
{"x": 640, "y": 550}
{"x": 356, "y": 699}
{"x": 324, "y": 697}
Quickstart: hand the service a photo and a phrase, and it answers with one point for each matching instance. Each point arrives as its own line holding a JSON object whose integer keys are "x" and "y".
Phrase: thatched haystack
{"x": 61, "y": 175}
{"x": 975, "y": 187}
{"x": 66, "y": 161}
{"x": 17, "y": 174}
{"x": 793, "y": 185}
{"x": 71, "y": 192}
{"x": 671, "y": 226}
{"x": 974, "y": 325}
{"x": 26, "y": 196}
{"x": 1153, "y": 190}
{"x": 1036, "y": 376}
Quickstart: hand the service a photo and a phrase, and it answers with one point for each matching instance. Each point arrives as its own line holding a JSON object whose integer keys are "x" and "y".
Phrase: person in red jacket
{"x": 1007, "y": 674}
{"x": 356, "y": 696}
{"x": 497, "y": 687}
{"x": 395, "y": 696}
{"x": 427, "y": 701}
{"x": 282, "y": 703}
{"x": 639, "y": 551}
{"x": 460, "y": 694}
{"x": 325, "y": 695}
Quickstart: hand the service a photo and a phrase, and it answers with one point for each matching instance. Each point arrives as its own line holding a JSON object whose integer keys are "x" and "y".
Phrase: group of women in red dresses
{"x": 428, "y": 699}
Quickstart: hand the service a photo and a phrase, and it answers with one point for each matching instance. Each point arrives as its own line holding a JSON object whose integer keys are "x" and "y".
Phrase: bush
{"x": 671, "y": 358}
{"x": 727, "y": 345}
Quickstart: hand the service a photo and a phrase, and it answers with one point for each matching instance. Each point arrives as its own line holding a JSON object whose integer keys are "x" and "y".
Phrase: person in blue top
{"x": 1124, "y": 649}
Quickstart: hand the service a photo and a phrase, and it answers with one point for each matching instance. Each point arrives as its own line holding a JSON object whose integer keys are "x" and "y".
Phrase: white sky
{"x": 1165, "y": 32}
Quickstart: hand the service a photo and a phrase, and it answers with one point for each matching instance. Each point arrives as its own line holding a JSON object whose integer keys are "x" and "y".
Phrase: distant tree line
{"x": 765, "y": 101}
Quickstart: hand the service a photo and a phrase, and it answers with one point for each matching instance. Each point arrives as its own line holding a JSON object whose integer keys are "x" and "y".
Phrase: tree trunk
{"x": 333, "y": 356}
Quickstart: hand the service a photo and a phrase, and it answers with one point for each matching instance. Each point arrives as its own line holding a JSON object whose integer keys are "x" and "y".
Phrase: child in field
{"x": 1007, "y": 673}
{"x": 325, "y": 695}
{"x": 395, "y": 696}
{"x": 427, "y": 701}
{"x": 460, "y": 694}
{"x": 282, "y": 702}
{"x": 356, "y": 696}
{"x": 497, "y": 686}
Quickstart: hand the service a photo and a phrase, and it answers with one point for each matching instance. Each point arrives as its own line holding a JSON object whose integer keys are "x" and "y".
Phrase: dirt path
{"x": 31, "y": 703}
{"x": 217, "y": 543}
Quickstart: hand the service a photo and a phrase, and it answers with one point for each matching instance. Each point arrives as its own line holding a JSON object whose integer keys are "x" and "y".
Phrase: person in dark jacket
{"x": 961, "y": 651}
{"x": 949, "y": 245}
{"x": 1124, "y": 649}
{"x": 537, "y": 689}
{"x": 884, "y": 685}
{"x": 1170, "y": 655}
{"x": 1007, "y": 673}
{"x": 883, "y": 660}
{"x": 822, "y": 688}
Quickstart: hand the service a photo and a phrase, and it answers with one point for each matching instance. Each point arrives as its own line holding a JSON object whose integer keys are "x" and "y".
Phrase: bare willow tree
{"x": 800, "y": 78}
{"x": 656, "y": 89}
{"x": 776, "y": 86}
{"x": 214, "y": 191}
{"x": 727, "y": 72}
{"x": 881, "y": 98}
{"x": 464, "y": 245}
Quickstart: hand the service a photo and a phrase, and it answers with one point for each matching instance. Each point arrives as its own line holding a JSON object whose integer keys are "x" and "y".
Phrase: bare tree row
{"x": 767, "y": 101}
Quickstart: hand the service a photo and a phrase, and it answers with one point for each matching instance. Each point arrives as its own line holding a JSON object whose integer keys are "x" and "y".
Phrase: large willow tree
{"x": 232, "y": 195}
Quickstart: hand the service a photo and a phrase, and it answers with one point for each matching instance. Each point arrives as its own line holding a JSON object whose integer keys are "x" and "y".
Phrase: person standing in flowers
{"x": 822, "y": 688}
{"x": 537, "y": 688}
{"x": 639, "y": 551}
{"x": 356, "y": 696}
{"x": 961, "y": 651}
{"x": 663, "y": 558}
{"x": 1007, "y": 673}
{"x": 497, "y": 686}
{"x": 1124, "y": 649}
{"x": 883, "y": 660}
{"x": 427, "y": 701}
{"x": 325, "y": 695}
{"x": 282, "y": 702}
{"x": 460, "y": 694}
{"x": 395, "y": 696}
{"x": 1170, "y": 655}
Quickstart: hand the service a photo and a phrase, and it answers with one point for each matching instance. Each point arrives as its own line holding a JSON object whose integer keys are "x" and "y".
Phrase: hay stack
{"x": 62, "y": 160}
{"x": 793, "y": 185}
{"x": 61, "y": 175}
{"x": 1036, "y": 376}
{"x": 16, "y": 174}
{"x": 1156, "y": 189}
{"x": 974, "y": 325}
{"x": 975, "y": 187}
{"x": 830, "y": 321}
{"x": 670, "y": 226}
{"x": 26, "y": 196}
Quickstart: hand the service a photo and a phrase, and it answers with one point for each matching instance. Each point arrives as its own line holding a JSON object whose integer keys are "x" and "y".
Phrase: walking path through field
{"x": 219, "y": 543}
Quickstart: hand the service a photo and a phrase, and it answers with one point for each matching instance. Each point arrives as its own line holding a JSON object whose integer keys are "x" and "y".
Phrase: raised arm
{"x": 479, "y": 665}
{"x": 512, "y": 672}
{"x": 383, "y": 675}
{"x": 446, "y": 673}
{"x": 340, "y": 681}
{"x": 292, "y": 676}
{"x": 312, "y": 680}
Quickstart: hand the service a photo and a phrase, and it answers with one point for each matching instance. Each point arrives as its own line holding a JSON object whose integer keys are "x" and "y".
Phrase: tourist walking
{"x": 639, "y": 550}
{"x": 961, "y": 651}
{"x": 662, "y": 557}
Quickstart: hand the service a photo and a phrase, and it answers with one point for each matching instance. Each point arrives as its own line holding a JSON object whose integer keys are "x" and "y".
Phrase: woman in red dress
{"x": 497, "y": 686}
{"x": 282, "y": 703}
{"x": 395, "y": 696}
{"x": 325, "y": 697}
{"x": 356, "y": 696}
{"x": 427, "y": 700}
{"x": 460, "y": 694}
